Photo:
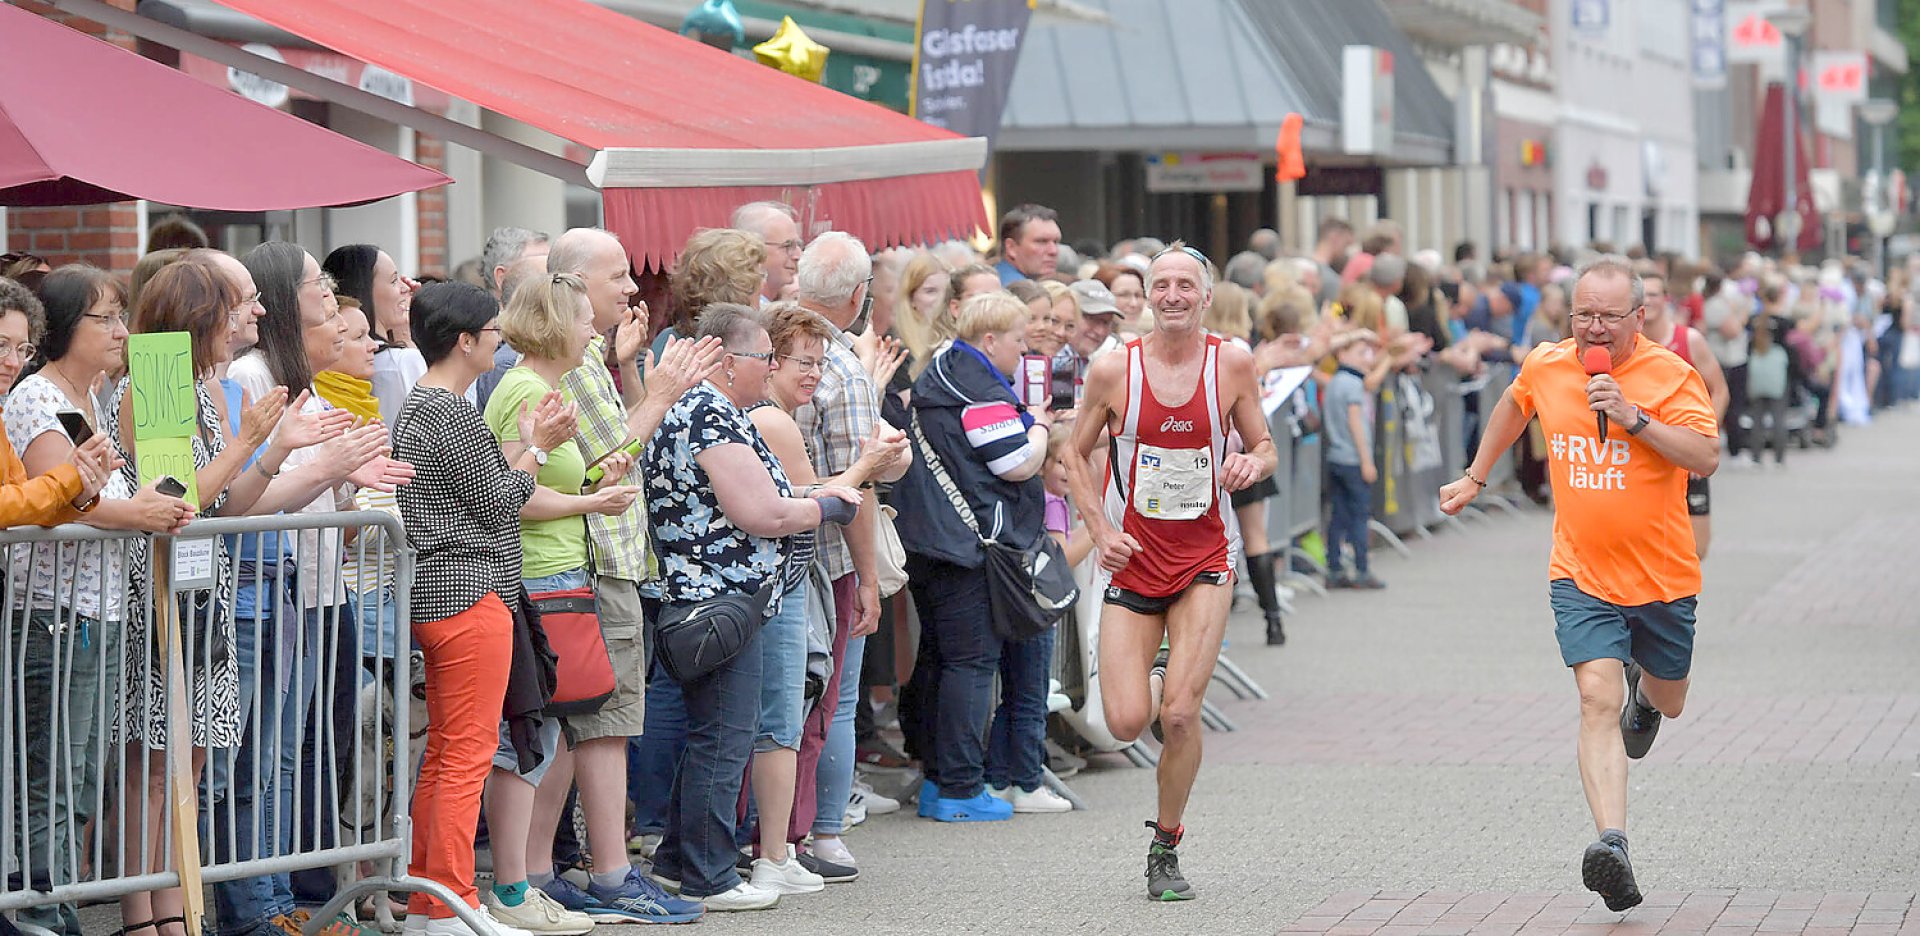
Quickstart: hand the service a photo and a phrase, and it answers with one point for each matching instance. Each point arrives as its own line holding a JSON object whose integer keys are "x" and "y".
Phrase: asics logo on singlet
{"x": 1176, "y": 425}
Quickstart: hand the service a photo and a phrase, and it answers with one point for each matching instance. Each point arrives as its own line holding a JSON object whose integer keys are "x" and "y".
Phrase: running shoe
{"x": 1638, "y": 723}
{"x": 743, "y": 896}
{"x": 929, "y": 792}
{"x": 1164, "y": 880}
{"x": 1605, "y": 870}
{"x": 639, "y": 900}
{"x": 1038, "y": 800}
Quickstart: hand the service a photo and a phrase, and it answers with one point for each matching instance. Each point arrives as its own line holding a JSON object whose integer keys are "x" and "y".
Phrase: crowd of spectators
{"x": 548, "y": 438}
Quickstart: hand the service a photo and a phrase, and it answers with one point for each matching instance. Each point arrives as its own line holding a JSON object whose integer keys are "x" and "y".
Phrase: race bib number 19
{"x": 1173, "y": 484}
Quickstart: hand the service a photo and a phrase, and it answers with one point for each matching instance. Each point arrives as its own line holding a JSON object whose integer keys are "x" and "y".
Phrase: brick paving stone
{"x": 1710, "y": 912}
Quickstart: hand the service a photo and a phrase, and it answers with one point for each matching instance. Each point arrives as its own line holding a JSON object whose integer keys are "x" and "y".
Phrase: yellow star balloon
{"x": 791, "y": 51}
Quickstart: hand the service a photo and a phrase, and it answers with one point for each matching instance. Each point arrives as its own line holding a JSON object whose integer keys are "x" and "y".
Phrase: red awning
{"x": 84, "y": 122}
{"x": 1766, "y": 197}
{"x": 684, "y": 132}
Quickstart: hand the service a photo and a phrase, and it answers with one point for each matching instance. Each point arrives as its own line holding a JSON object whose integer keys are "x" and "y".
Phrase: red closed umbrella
{"x": 1766, "y": 197}
{"x": 84, "y": 122}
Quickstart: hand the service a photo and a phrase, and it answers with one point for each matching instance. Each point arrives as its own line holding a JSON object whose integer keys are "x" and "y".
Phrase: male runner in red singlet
{"x": 1165, "y": 407}
{"x": 1666, "y": 328}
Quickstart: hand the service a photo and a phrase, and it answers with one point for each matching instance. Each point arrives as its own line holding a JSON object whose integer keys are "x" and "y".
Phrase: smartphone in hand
{"x": 78, "y": 429}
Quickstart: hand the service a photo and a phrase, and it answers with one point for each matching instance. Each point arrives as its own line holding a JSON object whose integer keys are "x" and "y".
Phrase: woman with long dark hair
{"x": 368, "y": 275}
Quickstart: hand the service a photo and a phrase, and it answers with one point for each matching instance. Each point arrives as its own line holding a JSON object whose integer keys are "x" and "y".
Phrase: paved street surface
{"x": 1414, "y": 770}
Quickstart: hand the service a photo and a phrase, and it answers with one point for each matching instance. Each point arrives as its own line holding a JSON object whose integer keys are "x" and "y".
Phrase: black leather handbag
{"x": 693, "y": 639}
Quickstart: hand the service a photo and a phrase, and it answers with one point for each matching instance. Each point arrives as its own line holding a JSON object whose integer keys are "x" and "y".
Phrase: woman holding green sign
{"x": 195, "y": 297}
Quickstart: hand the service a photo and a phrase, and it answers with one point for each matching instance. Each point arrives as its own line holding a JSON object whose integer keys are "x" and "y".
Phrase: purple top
{"x": 1059, "y": 516}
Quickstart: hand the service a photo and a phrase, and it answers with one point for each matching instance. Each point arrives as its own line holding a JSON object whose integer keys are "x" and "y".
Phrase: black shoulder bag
{"x": 1027, "y": 589}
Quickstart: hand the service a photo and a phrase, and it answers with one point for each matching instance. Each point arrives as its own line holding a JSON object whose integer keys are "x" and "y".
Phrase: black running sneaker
{"x": 1159, "y": 672}
{"x": 1606, "y": 871}
{"x": 1164, "y": 881}
{"x": 1638, "y": 723}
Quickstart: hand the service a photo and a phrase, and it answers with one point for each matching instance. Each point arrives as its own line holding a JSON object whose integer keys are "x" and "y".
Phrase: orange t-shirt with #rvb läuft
{"x": 1620, "y": 528}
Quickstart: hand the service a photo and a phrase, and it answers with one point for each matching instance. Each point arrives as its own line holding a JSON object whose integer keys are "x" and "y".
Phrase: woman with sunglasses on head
{"x": 550, "y": 321}
{"x": 70, "y": 599}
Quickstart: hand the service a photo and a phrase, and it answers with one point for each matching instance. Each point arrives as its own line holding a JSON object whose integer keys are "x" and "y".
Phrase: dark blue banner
{"x": 963, "y": 60}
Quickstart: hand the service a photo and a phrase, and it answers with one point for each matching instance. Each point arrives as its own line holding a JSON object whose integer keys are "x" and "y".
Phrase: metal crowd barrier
{"x": 305, "y": 766}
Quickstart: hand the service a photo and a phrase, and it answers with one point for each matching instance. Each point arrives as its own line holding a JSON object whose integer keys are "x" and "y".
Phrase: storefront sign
{"x": 1597, "y": 177}
{"x": 1751, "y": 40}
{"x": 1709, "y": 44}
{"x": 1533, "y": 153}
{"x": 1205, "y": 172}
{"x": 1366, "y": 100}
{"x": 963, "y": 62}
{"x": 1840, "y": 77}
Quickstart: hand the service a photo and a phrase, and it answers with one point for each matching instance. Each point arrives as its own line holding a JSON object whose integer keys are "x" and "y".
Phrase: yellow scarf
{"x": 348, "y": 393}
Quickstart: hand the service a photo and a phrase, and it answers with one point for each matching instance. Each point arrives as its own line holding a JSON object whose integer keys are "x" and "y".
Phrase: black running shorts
{"x": 1143, "y": 604}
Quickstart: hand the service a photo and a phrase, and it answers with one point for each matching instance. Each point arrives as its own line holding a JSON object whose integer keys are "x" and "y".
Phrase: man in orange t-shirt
{"x": 1623, "y": 576}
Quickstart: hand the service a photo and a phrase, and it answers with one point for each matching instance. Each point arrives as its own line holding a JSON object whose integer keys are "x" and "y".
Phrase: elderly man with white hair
{"x": 835, "y": 280}
{"x": 778, "y": 226}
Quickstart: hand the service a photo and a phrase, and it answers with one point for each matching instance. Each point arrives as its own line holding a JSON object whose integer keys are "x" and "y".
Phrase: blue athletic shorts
{"x": 1658, "y": 636}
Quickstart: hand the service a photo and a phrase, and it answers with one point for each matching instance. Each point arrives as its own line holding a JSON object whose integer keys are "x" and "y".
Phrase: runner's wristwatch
{"x": 1640, "y": 421}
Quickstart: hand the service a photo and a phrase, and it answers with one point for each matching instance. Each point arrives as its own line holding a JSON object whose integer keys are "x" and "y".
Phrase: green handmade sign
{"x": 161, "y": 367}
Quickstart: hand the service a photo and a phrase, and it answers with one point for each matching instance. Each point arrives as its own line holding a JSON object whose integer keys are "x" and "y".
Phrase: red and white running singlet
{"x": 1163, "y": 481}
{"x": 1679, "y": 344}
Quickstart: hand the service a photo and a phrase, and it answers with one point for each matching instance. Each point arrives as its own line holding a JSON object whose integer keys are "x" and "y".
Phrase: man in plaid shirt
{"x": 620, "y": 549}
{"x": 835, "y": 279}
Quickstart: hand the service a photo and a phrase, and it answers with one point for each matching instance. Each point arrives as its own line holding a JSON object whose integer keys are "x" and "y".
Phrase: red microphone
{"x": 1598, "y": 361}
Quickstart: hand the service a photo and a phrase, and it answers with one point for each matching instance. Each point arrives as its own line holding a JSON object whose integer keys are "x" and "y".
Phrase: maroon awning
{"x": 84, "y": 122}
{"x": 1766, "y": 198}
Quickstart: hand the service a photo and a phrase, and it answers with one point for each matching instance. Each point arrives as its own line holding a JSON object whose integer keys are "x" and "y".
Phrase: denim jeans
{"x": 1352, "y": 499}
{"x": 237, "y": 832}
{"x": 723, "y": 713}
{"x": 947, "y": 703}
{"x": 653, "y": 758}
{"x": 65, "y": 720}
{"x": 1016, "y": 743}
{"x": 833, "y": 779}
{"x": 271, "y": 799}
{"x": 783, "y": 668}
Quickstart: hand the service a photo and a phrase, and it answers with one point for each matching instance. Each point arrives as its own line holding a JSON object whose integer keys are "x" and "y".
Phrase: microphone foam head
{"x": 1597, "y": 360}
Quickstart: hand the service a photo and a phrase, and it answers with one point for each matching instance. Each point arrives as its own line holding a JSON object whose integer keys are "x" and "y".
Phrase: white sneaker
{"x": 451, "y": 926}
{"x": 1041, "y": 800}
{"x": 415, "y": 925}
{"x": 832, "y": 850}
{"x": 1001, "y": 792}
{"x": 538, "y": 913}
{"x": 785, "y": 877}
{"x": 744, "y": 896}
{"x": 876, "y": 804}
{"x": 856, "y": 811}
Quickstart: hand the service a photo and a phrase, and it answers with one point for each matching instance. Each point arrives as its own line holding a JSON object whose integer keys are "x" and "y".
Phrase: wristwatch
{"x": 1640, "y": 421}
{"x": 539, "y": 455}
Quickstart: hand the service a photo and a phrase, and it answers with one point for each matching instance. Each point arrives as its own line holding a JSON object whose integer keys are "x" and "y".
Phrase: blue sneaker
{"x": 929, "y": 792}
{"x": 980, "y": 807}
{"x": 640, "y": 900}
{"x": 568, "y": 894}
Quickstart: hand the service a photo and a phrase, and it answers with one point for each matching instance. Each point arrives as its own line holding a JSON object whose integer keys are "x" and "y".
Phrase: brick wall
{"x": 431, "y": 152}
{"x": 106, "y": 236}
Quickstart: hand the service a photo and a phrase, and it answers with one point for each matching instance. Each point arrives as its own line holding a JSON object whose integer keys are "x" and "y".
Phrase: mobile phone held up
{"x": 170, "y": 486}
{"x": 78, "y": 429}
{"x": 1036, "y": 381}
